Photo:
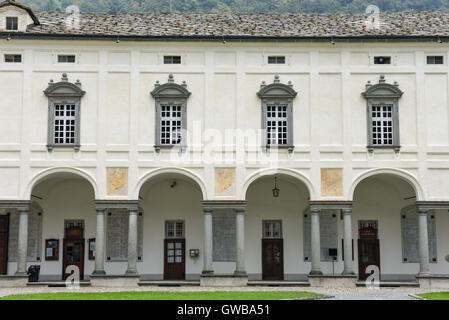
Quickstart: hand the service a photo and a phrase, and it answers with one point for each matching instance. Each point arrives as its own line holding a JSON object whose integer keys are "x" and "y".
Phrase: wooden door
{"x": 73, "y": 254}
{"x": 4, "y": 227}
{"x": 369, "y": 254}
{"x": 272, "y": 259}
{"x": 174, "y": 259}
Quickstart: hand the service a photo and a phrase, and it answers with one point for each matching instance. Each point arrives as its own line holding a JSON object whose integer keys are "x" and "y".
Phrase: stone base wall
{"x": 13, "y": 281}
{"x": 223, "y": 281}
{"x": 114, "y": 281}
{"x": 433, "y": 282}
{"x": 335, "y": 281}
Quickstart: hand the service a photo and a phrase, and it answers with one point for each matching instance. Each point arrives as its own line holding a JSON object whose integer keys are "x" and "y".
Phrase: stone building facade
{"x": 224, "y": 148}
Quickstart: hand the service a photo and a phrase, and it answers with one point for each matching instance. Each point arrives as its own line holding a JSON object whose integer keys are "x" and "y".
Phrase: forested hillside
{"x": 216, "y": 6}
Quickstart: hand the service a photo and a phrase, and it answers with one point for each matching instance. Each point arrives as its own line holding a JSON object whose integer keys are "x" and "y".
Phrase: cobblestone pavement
{"x": 337, "y": 293}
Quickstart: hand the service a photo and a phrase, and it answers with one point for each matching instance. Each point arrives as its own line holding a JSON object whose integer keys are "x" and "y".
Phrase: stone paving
{"x": 359, "y": 293}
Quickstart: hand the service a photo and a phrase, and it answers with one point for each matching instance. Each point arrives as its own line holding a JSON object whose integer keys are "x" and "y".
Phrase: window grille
{"x": 435, "y": 60}
{"x": 64, "y": 126}
{"x": 277, "y": 125}
{"x": 66, "y": 58}
{"x": 382, "y": 125}
{"x": 171, "y": 124}
{"x": 276, "y": 60}
{"x": 13, "y": 58}
{"x": 12, "y": 23}
{"x": 174, "y": 229}
{"x": 172, "y": 59}
{"x": 272, "y": 229}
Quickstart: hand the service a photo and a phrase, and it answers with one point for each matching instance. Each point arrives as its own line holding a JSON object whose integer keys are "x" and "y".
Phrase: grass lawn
{"x": 157, "y": 295}
{"x": 435, "y": 295}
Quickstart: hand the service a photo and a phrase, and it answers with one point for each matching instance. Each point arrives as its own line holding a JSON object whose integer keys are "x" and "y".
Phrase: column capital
{"x": 117, "y": 204}
{"x": 100, "y": 211}
{"x": 207, "y": 210}
{"x": 346, "y": 211}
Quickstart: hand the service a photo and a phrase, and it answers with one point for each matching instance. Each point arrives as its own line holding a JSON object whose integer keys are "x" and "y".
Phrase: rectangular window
{"x": 382, "y": 60}
{"x": 13, "y": 58}
{"x": 434, "y": 59}
{"x": 172, "y": 59}
{"x": 276, "y": 60}
{"x": 276, "y": 125}
{"x": 12, "y": 23}
{"x": 382, "y": 125}
{"x": 174, "y": 229}
{"x": 63, "y": 58}
{"x": 171, "y": 124}
{"x": 272, "y": 229}
{"x": 64, "y": 126}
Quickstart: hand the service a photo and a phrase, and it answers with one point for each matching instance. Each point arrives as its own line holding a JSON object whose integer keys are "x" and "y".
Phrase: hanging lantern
{"x": 275, "y": 189}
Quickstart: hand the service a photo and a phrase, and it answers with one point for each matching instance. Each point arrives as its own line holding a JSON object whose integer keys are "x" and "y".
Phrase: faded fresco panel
{"x": 224, "y": 182}
{"x": 332, "y": 182}
{"x": 117, "y": 181}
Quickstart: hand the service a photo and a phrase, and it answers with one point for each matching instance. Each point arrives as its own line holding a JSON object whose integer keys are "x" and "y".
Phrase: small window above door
{"x": 174, "y": 229}
{"x": 272, "y": 229}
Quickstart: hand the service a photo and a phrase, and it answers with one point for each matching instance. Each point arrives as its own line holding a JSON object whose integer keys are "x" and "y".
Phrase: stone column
{"x": 99, "y": 243}
{"x": 315, "y": 242}
{"x": 132, "y": 243}
{"x": 347, "y": 225}
{"x": 423, "y": 243}
{"x": 22, "y": 245}
{"x": 240, "y": 242}
{"x": 207, "y": 258}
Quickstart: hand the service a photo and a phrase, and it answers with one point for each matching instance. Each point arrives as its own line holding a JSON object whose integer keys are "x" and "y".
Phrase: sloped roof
{"x": 21, "y": 6}
{"x": 242, "y": 26}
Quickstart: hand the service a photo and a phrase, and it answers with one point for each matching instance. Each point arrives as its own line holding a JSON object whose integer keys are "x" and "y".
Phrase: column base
{"x": 13, "y": 281}
{"x": 99, "y": 273}
{"x": 207, "y": 272}
{"x": 213, "y": 280}
{"x": 347, "y": 273}
{"x": 316, "y": 273}
{"x": 240, "y": 273}
{"x": 333, "y": 281}
{"x": 114, "y": 280}
{"x": 433, "y": 281}
{"x": 131, "y": 273}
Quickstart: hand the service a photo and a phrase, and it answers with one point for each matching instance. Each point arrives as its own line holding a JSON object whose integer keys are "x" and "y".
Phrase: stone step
{"x": 392, "y": 284}
{"x": 169, "y": 283}
{"x": 279, "y": 283}
{"x": 51, "y": 284}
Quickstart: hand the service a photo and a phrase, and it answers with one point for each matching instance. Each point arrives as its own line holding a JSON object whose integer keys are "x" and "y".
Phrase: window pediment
{"x": 276, "y": 90}
{"x": 64, "y": 88}
{"x": 170, "y": 89}
{"x": 382, "y": 90}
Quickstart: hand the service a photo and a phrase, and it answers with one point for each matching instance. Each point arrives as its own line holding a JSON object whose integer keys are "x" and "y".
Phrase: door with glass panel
{"x": 272, "y": 250}
{"x": 174, "y": 251}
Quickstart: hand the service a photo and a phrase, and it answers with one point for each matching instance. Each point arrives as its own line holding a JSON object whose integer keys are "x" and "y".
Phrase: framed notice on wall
{"x": 52, "y": 249}
{"x": 92, "y": 249}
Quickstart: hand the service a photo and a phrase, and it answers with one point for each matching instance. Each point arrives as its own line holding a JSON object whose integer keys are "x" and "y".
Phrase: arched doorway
{"x": 68, "y": 222}
{"x": 273, "y": 227}
{"x": 172, "y": 227}
{"x": 378, "y": 202}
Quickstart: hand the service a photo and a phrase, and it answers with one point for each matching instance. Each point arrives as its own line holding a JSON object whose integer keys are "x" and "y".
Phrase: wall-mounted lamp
{"x": 118, "y": 40}
{"x": 9, "y": 37}
{"x": 439, "y": 39}
{"x": 173, "y": 184}
{"x": 275, "y": 189}
{"x": 332, "y": 41}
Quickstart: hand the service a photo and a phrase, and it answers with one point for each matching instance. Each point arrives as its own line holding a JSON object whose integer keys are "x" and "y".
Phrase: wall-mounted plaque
{"x": 92, "y": 249}
{"x": 52, "y": 249}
